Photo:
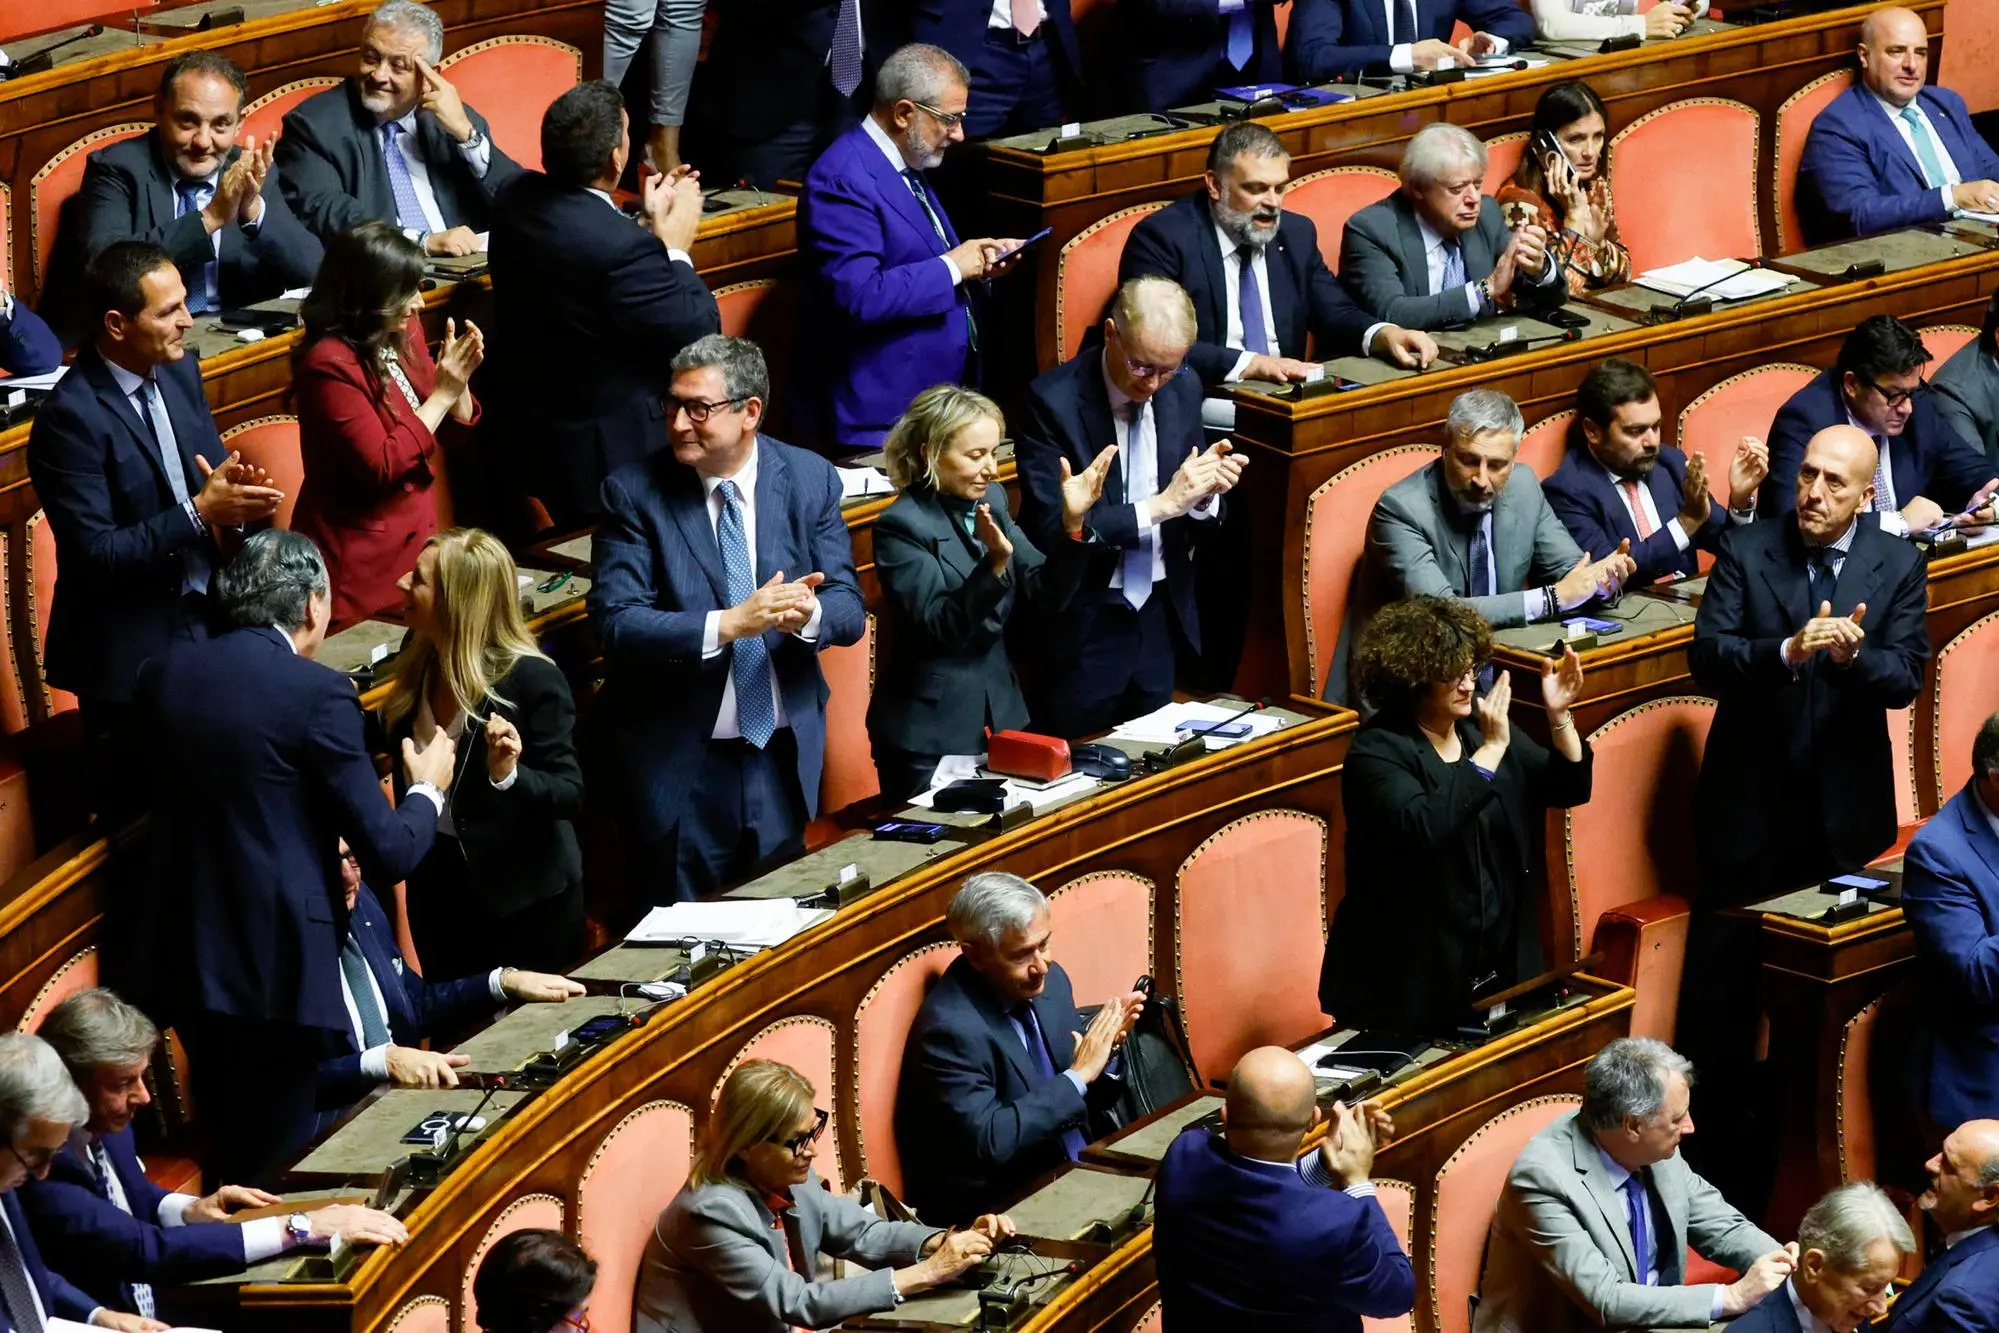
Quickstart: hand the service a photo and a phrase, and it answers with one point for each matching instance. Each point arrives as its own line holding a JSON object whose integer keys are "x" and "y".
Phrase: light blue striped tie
{"x": 409, "y": 209}
{"x": 1242, "y": 37}
{"x": 1933, "y": 173}
{"x": 749, "y": 657}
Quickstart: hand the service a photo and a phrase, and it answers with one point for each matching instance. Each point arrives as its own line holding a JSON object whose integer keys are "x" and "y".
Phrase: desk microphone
{"x": 450, "y": 1149}
{"x": 1689, "y": 305}
{"x": 44, "y": 60}
{"x": 1492, "y": 351}
{"x": 1194, "y": 744}
{"x": 1197, "y": 733}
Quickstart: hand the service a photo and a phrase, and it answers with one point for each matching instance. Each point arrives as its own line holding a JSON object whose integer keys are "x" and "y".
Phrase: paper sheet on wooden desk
{"x": 1162, "y": 725}
{"x": 856, "y": 482}
{"x": 743, "y": 923}
{"x": 1721, "y": 279}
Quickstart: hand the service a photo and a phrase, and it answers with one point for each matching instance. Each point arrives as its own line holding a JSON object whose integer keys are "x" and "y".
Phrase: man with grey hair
{"x": 244, "y": 914}
{"x": 1000, "y": 1074}
{"x": 1437, "y": 252}
{"x": 1958, "y": 1290}
{"x": 395, "y": 143}
{"x": 1119, "y": 648}
{"x": 892, "y": 284}
{"x": 1473, "y": 526}
{"x": 723, "y": 569}
{"x": 113, "y": 1232}
{"x": 1598, "y": 1213}
{"x": 1850, "y": 1246}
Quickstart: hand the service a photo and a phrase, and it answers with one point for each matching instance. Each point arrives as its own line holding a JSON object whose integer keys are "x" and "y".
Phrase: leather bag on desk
{"x": 1158, "y": 1066}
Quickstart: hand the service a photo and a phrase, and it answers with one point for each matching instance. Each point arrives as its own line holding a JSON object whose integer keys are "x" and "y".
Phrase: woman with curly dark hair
{"x": 534, "y": 1281}
{"x": 1441, "y": 798}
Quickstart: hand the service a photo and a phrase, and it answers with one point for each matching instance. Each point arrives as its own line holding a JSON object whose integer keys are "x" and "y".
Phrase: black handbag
{"x": 1156, "y": 1068}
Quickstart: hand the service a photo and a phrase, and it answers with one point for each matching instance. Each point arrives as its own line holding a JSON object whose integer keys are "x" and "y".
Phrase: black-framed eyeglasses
{"x": 950, "y": 120}
{"x": 698, "y": 410}
{"x": 1894, "y": 397}
{"x": 797, "y": 1142}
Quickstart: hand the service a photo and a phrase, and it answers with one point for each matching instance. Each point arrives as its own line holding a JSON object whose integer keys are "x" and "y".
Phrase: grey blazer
{"x": 1966, "y": 389}
{"x": 1560, "y": 1259}
{"x": 1415, "y": 546}
{"x": 716, "y": 1262}
{"x": 1383, "y": 263}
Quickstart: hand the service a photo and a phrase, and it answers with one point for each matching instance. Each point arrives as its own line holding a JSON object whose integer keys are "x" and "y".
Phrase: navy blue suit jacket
{"x": 262, "y": 769}
{"x": 60, "y": 1298}
{"x": 1928, "y": 458}
{"x": 1950, "y": 893}
{"x": 1175, "y": 52}
{"x": 975, "y": 1122}
{"x": 1178, "y": 242}
{"x": 1330, "y": 38}
{"x": 119, "y": 531}
{"x": 102, "y": 1248}
{"x": 959, "y": 26}
{"x": 1773, "y": 1314}
{"x": 414, "y": 1008}
{"x": 1243, "y": 1244}
{"x": 1591, "y": 506}
{"x": 659, "y": 574}
{"x": 1957, "y": 1292}
{"x": 27, "y": 345}
{"x": 1858, "y": 175}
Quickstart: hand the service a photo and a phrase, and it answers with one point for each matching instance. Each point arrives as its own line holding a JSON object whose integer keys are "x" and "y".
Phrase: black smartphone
{"x": 597, "y": 1029}
{"x": 903, "y": 830}
{"x": 1027, "y": 244}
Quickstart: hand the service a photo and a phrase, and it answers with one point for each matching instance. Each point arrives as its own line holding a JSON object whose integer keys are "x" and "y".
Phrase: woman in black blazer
{"x": 1441, "y": 798}
{"x": 503, "y": 884}
{"x": 954, "y": 566}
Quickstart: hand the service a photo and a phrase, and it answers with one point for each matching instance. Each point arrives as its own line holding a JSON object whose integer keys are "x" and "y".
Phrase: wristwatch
{"x": 473, "y": 144}
{"x": 298, "y": 1229}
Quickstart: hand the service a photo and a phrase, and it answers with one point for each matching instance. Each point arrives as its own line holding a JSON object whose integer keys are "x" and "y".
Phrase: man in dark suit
{"x": 1925, "y": 474}
{"x": 723, "y": 568}
{"x": 1810, "y": 631}
{"x": 27, "y": 345}
{"x": 1173, "y": 52}
{"x": 245, "y": 915}
{"x": 1950, "y": 895}
{"x": 1850, "y": 1246}
{"x": 1024, "y": 62}
{"x": 589, "y": 305}
{"x": 1623, "y": 485}
{"x": 215, "y": 206}
{"x": 892, "y": 301}
{"x": 1893, "y": 151}
{"x": 115, "y": 1233}
{"x": 1247, "y": 1233}
{"x": 1958, "y": 1291}
{"x": 1330, "y": 39}
{"x": 127, "y": 463}
{"x": 997, "y": 1085}
{"x": 394, "y": 143}
{"x": 1437, "y": 252}
{"x": 1114, "y": 653}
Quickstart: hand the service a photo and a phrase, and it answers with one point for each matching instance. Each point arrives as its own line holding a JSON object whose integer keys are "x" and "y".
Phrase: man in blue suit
{"x": 894, "y": 308}
{"x": 129, "y": 467}
{"x": 1001, "y": 1074}
{"x": 1925, "y": 474}
{"x": 1851, "y": 1244}
{"x": 723, "y": 568}
{"x": 27, "y": 345}
{"x": 1950, "y": 894}
{"x": 1892, "y": 151}
{"x": 115, "y": 1233}
{"x": 1958, "y": 1291}
{"x": 1623, "y": 485}
{"x": 245, "y": 916}
{"x": 1331, "y": 39}
{"x": 1022, "y": 54}
{"x": 1173, "y": 52}
{"x": 1250, "y": 1235}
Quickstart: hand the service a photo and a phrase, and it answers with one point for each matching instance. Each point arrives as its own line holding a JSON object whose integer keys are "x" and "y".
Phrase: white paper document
{"x": 1037, "y": 795}
{"x": 1162, "y": 725}
{"x": 1975, "y": 216}
{"x": 46, "y": 380}
{"x": 1721, "y": 279}
{"x": 749, "y": 923}
{"x": 858, "y": 481}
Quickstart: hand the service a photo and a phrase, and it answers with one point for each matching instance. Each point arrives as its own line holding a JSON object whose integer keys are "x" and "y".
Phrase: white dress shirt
{"x": 375, "y": 1059}
{"x": 1951, "y": 174}
{"x": 901, "y": 164}
{"x": 1648, "y": 1262}
{"x": 1146, "y": 443}
{"x": 263, "y": 1237}
{"x": 678, "y": 256}
{"x": 1807, "y": 1321}
{"x": 1232, "y": 301}
{"x": 410, "y": 144}
{"x": 1402, "y": 58}
{"x": 726, "y": 726}
{"x": 1435, "y": 248}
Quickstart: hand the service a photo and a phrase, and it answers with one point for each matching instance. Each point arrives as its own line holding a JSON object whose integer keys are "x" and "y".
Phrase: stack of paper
{"x": 1162, "y": 726}
{"x": 751, "y": 923}
{"x": 1719, "y": 279}
{"x": 1037, "y": 796}
{"x": 858, "y": 481}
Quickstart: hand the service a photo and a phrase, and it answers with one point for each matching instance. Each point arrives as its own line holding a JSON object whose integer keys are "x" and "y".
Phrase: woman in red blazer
{"x": 372, "y": 408}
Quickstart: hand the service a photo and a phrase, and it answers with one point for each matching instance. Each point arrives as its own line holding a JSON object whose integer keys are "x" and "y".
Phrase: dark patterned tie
{"x": 140, "y": 1293}
{"x": 844, "y": 60}
{"x": 15, "y": 1291}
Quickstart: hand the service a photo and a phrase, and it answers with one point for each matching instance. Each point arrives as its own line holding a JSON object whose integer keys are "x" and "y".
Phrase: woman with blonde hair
{"x": 955, "y": 567}
{"x": 739, "y": 1248}
{"x": 503, "y": 884}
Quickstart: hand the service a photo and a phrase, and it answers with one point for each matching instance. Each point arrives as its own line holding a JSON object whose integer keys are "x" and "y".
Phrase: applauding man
{"x": 189, "y": 186}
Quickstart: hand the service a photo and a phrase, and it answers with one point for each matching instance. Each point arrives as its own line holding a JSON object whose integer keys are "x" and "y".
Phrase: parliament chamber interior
{"x": 1203, "y": 843}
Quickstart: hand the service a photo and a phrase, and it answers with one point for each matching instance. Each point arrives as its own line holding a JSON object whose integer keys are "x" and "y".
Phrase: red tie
{"x": 1645, "y": 528}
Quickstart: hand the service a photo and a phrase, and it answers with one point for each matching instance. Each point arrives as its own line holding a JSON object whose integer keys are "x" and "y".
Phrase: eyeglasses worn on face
{"x": 1895, "y": 397}
{"x": 698, "y": 410}
{"x": 950, "y": 120}
{"x": 797, "y": 1142}
{"x": 1140, "y": 370}
{"x": 42, "y": 1159}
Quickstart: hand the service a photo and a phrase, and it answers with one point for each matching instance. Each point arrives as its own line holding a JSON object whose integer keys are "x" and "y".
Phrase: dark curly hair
{"x": 530, "y": 1280}
{"x": 1413, "y": 644}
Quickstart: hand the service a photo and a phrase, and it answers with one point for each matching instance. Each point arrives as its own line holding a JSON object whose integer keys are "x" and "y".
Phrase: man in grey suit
{"x": 1593, "y": 1227}
{"x": 1472, "y": 525}
{"x": 1966, "y": 387}
{"x": 1437, "y": 252}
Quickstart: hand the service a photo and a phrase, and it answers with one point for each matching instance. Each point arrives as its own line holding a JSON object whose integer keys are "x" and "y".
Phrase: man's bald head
{"x": 1894, "y": 54}
{"x": 1964, "y": 1178}
{"x": 1271, "y": 1104}
{"x": 1835, "y": 482}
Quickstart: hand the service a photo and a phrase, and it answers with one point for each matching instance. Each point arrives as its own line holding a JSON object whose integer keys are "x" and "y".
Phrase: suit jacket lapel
{"x": 1789, "y": 583}
{"x": 1001, "y": 1026}
{"x": 1888, "y": 136}
{"x": 1447, "y": 540}
{"x": 1212, "y": 260}
{"x": 1860, "y": 574}
{"x": 368, "y": 929}
{"x": 1935, "y": 1271}
{"x": 159, "y": 204}
{"x": 1055, "y": 1031}
{"x": 1415, "y": 254}
{"x": 1596, "y": 1183}
{"x": 901, "y": 199}
{"x": 1099, "y": 428}
{"x": 773, "y": 499}
{"x": 371, "y": 183}
{"x": 1276, "y": 276}
{"x": 687, "y": 504}
{"x": 119, "y": 406}
{"x": 1978, "y": 831}
{"x": 952, "y": 551}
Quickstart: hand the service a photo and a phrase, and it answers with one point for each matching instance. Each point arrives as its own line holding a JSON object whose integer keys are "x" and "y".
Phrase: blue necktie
{"x": 194, "y": 559}
{"x": 749, "y": 658}
{"x": 409, "y": 209}
{"x": 374, "y": 1031}
{"x": 1926, "y": 153}
{"x": 1073, "y": 1141}
{"x": 1405, "y": 24}
{"x": 1638, "y": 1210}
{"x": 1454, "y": 268}
{"x": 189, "y": 195}
{"x": 1141, "y": 483}
{"x": 1249, "y": 302}
{"x": 845, "y": 57}
{"x": 1242, "y": 37}
{"x": 1481, "y": 561}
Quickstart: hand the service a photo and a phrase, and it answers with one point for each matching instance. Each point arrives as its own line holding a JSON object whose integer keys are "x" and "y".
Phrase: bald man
{"x": 1810, "y": 631}
{"x": 1892, "y": 151}
{"x": 1249, "y": 1235}
{"x": 1958, "y": 1290}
